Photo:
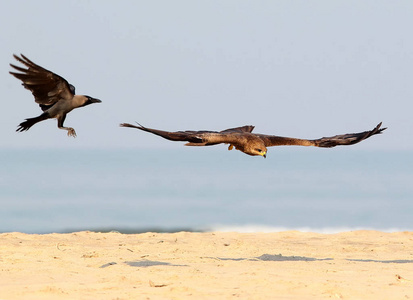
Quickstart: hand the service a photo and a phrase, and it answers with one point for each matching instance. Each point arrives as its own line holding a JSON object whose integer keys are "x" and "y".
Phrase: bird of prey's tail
{"x": 23, "y": 126}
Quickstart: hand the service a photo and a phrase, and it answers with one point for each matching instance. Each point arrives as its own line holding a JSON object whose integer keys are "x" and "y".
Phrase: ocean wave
{"x": 252, "y": 228}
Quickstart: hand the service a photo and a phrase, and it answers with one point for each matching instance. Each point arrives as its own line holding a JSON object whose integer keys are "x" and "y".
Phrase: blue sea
{"x": 208, "y": 188}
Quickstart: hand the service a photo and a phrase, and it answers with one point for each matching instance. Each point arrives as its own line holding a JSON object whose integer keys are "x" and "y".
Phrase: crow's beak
{"x": 93, "y": 100}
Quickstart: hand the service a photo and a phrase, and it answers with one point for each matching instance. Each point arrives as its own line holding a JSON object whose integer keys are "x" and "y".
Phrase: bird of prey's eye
{"x": 259, "y": 150}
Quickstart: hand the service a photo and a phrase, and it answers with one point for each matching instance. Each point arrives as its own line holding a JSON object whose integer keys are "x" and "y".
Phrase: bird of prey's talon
{"x": 230, "y": 147}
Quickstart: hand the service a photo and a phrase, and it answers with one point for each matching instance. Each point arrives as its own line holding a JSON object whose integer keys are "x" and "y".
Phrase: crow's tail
{"x": 23, "y": 126}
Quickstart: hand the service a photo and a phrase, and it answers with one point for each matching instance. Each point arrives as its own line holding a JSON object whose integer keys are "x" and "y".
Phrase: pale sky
{"x": 292, "y": 68}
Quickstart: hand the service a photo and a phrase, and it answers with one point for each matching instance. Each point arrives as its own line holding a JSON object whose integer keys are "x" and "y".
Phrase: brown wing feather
{"x": 246, "y": 128}
{"x": 348, "y": 139}
{"x": 343, "y": 139}
{"x": 197, "y": 138}
{"x": 183, "y": 136}
{"x": 46, "y": 86}
{"x": 273, "y": 140}
{"x": 226, "y": 136}
{"x": 211, "y": 138}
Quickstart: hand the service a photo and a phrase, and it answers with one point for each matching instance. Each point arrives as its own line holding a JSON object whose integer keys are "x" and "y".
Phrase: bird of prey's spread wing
{"x": 250, "y": 143}
{"x": 55, "y": 96}
{"x": 46, "y": 86}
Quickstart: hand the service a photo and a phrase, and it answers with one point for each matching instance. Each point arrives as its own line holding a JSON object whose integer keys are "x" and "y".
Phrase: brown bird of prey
{"x": 250, "y": 143}
{"x": 55, "y": 96}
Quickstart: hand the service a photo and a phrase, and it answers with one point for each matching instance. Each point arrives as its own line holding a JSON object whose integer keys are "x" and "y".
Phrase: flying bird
{"x": 250, "y": 143}
{"x": 55, "y": 96}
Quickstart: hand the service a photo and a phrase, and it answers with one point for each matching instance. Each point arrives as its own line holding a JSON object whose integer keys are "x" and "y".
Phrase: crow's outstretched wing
{"x": 46, "y": 86}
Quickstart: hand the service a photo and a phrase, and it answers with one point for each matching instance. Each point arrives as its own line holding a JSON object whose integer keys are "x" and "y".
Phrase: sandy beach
{"x": 214, "y": 265}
